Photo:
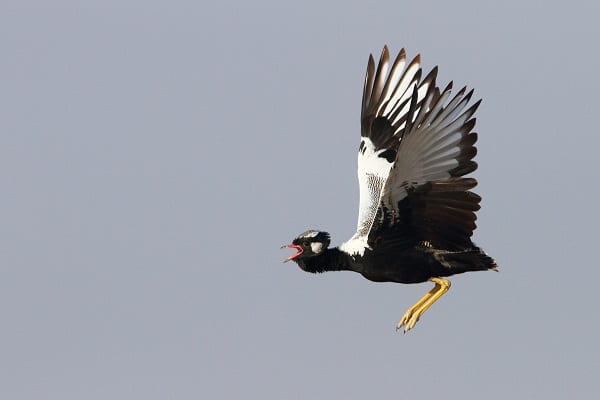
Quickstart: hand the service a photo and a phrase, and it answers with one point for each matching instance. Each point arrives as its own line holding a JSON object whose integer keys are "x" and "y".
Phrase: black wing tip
{"x": 433, "y": 72}
{"x": 385, "y": 54}
{"x": 464, "y": 169}
{"x": 448, "y": 87}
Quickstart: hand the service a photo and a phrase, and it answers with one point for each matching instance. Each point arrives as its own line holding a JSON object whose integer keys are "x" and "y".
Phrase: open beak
{"x": 299, "y": 249}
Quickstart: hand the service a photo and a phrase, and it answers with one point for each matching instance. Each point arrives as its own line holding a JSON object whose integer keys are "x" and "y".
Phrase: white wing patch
{"x": 373, "y": 171}
{"x": 356, "y": 246}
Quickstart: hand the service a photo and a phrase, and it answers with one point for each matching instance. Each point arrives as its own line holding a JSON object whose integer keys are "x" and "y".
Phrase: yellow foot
{"x": 408, "y": 320}
{"x": 412, "y": 315}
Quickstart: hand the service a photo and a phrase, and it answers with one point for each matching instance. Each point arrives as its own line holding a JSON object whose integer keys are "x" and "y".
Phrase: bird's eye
{"x": 307, "y": 243}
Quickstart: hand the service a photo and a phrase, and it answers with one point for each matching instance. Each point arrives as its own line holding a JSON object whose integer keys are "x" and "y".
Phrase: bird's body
{"x": 411, "y": 264}
{"x": 417, "y": 212}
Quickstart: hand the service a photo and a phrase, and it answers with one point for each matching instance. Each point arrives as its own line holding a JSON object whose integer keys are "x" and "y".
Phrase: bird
{"x": 416, "y": 207}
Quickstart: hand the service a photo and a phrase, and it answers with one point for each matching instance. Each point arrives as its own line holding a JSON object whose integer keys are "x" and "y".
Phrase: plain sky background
{"x": 155, "y": 155}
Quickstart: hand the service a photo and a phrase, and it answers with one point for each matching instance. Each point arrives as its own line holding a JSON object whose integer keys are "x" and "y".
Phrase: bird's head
{"x": 308, "y": 244}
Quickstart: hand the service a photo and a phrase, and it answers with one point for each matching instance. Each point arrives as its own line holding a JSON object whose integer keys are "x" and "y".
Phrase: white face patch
{"x": 316, "y": 247}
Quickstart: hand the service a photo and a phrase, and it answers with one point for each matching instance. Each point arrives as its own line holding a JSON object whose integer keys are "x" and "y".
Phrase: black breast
{"x": 413, "y": 265}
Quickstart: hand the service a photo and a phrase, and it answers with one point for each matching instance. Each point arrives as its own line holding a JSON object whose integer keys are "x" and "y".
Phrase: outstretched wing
{"x": 389, "y": 98}
{"x": 426, "y": 199}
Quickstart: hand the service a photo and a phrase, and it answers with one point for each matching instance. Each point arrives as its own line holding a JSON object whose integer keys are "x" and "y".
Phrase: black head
{"x": 308, "y": 244}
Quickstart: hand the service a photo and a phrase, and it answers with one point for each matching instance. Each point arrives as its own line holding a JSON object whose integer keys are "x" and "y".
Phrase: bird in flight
{"x": 416, "y": 211}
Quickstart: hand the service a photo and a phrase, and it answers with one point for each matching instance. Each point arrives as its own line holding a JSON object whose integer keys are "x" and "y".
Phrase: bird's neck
{"x": 331, "y": 260}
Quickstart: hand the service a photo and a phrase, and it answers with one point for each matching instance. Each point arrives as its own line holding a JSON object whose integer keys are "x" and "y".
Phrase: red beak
{"x": 293, "y": 256}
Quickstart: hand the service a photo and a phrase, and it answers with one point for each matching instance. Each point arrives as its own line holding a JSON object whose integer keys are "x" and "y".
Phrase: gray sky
{"x": 154, "y": 156}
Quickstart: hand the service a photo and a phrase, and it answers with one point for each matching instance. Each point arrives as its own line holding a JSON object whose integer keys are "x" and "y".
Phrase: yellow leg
{"x": 410, "y": 317}
{"x": 406, "y": 317}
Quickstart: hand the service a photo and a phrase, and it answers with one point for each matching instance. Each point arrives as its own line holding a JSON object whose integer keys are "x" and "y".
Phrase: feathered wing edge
{"x": 387, "y": 97}
{"x": 386, "y": 102}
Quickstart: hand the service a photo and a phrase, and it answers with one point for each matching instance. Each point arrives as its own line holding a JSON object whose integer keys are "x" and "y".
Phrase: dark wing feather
{"x": 426, "y": 199}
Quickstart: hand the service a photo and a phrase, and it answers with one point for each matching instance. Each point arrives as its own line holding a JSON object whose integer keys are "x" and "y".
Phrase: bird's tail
{"x": 473, "y": 259}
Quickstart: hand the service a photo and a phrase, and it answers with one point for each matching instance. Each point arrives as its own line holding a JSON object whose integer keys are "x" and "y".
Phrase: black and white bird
{"x": 417, "y": 211}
